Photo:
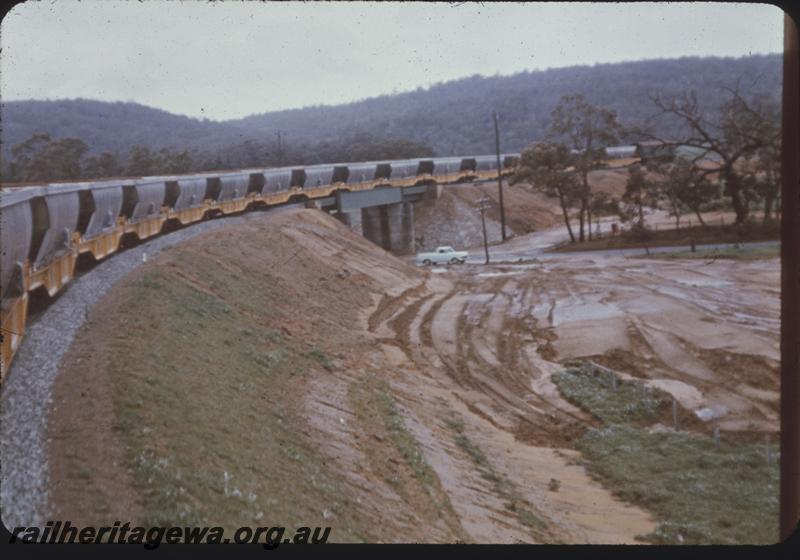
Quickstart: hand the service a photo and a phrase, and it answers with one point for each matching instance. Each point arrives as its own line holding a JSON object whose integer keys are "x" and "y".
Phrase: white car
{"x": 442, "y": 255}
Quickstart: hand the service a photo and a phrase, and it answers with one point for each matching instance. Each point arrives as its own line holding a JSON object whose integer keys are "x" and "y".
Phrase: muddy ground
{"x": 433, "y": 414}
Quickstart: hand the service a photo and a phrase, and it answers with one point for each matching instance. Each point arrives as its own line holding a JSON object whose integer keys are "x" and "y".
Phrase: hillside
{"x": 452, "y": 117}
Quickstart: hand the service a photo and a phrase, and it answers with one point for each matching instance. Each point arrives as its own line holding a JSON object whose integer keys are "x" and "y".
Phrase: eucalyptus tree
{"x": 727, "y": 139}
{"x": 549, "y": 167}
{"x": 587, "y": 130}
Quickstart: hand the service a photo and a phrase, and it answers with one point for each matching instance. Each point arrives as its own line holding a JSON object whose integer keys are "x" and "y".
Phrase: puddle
{"x": 710, "y": 412}
{"x": 491, "y": 274}
{"x": 703, "y": 283}
{"x": 687, "y": 395}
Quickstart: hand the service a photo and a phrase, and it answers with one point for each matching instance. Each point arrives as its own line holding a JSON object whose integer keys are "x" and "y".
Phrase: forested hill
{"x": 452, "y": 117}
{"x": 109, "y": 127}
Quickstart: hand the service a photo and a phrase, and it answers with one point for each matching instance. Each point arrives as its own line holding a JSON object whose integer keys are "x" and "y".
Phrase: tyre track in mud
{"x": 471, "y": 341}
{"x": 504, "y": 380}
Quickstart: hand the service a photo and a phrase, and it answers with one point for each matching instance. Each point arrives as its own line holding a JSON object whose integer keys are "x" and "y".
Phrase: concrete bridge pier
{"x": 391, "y": 226}
{"x": 401, "y": 228}
{"x": 351, "y": 219}
{"x": 372, "y": 222}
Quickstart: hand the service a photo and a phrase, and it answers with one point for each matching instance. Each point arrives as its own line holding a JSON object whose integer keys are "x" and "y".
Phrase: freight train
{"x": 46, "y": 228}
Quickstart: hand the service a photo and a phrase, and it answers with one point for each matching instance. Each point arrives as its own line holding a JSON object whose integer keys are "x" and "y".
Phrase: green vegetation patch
{"x": 631, "y": 403}
{"x": 700, "y": 492}
{"x": 206, "y": 402}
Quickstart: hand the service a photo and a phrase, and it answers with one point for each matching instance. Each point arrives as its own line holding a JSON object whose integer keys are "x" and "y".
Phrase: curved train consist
{"x": 46, "y": 228}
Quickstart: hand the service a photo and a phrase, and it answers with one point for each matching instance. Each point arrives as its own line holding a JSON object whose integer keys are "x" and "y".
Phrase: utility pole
{"x": 483, "y": 204}
{"x": 499, "y": 178}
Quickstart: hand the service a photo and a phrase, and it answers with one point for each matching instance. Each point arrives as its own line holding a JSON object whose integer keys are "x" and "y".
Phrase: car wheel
{"x": 427, "y": 262}
{"x": 454, "y": 261}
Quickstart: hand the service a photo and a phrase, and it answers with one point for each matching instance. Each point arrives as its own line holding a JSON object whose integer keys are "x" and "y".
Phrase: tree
{"x": 41, "y": 158}
{"x": 104, "y": 165}
{"x": 64, "y": 158}
{"x": 587, "y": 129}
{"x": 692, "y": 187}
{"x": 548, "y": 167}
{"x": 683, "y": 186}
{"x": 636, "y": 194}
{"x": 141, "y": 162}
{"x": 168, "y": 161}
{"x": 28, "y": 164}
{"x": 182, "y": 163}
{"x": 677, "y": 179}
{"x": 766, "y": 174}
{"x": 727, "y": 138}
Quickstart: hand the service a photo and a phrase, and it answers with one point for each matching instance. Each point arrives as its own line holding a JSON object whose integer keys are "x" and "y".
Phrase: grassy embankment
{"x": 716, "y": 234}
{"x": 700, "y": 492}
{"x": 205, "y": 401}
{"x": 209, "y": 403}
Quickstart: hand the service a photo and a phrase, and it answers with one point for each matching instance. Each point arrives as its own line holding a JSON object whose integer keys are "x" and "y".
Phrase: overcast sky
{"x": 222, "y": 60}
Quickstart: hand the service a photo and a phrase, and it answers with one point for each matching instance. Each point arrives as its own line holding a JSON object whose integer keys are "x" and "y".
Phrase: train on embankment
{"x": 46, "y": 228}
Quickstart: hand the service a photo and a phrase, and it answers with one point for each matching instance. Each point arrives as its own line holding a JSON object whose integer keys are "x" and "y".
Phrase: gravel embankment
{"x": 26, "y": 391}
